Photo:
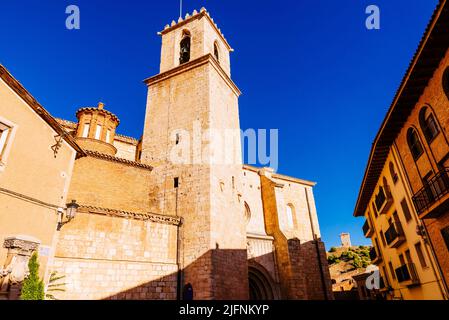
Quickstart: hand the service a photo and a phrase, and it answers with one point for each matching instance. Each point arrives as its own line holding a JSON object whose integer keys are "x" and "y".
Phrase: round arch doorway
{"x": 260, "y": 284}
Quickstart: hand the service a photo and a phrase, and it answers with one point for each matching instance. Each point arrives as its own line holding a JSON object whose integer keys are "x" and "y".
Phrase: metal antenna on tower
{"x": 180, "y": 8}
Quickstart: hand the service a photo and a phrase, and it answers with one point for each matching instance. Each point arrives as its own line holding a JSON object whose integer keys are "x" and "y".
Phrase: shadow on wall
{"x": 229, "y": 275}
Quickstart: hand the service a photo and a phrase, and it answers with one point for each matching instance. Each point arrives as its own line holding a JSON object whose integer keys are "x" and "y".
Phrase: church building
{"x": 149, "y": 227}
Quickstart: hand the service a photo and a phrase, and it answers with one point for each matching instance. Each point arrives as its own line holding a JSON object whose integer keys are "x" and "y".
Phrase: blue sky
{"x": 308, "y": 68}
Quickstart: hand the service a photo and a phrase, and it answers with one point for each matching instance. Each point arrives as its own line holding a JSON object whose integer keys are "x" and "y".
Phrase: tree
{"x": 54, "y": 285}
{"x": 33, "y": 286}
{"x": 333, "y": 249}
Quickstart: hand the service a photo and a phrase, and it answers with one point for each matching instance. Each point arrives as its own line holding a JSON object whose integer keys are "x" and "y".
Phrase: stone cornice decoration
{"x": 259, "y": 236}
{"x": 279, "y": 176}
{"x": 294, "y": 180}
{"x": 17, "y": 87}
{"x": 110, "y": 145}
{"x": 67, "y": 123}
{"x": 97, "y": 110}
{"x": 171, "y": 220}
{"x": 102, "y": 156}
{"x": 126, "y": 139}
{"x": 22, "y": 243}
{"x": 118, "y": 137}
{"x": 196, "y": 15}
{"x": 208, "y": 58}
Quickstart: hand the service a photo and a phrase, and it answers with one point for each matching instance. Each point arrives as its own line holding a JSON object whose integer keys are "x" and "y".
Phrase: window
{"x": 247, "y": 212}
{"x": 184, "y": 55}
{"x": 394, "y": 175}
{"x": 406, "y": 210}
{"x": 446, "y": 82}
{"x": 375, "y": 210}
{"x": 414, "y": 144}
{"x": 393, "y": 273}
{"x": 4, "y": 135}
{"x": 290, "y": 220}
{"x": 98, "y": 132}
{"x": 380, "y": 199}
{"x": 108, "y": 136}
{"x": 216, "y": 53}
{"x": 428, "y": 124}
{"x": 86, "y": 130}
{"x": 382, "y": 237}
{"x": 445, "y": 234}
{"x": 419, "y": 252}
{"x": 385, "y": 274}
{"x": 176, "y": 183}
{"x": 178, "y": 138}
{"x": 408, "y": 256}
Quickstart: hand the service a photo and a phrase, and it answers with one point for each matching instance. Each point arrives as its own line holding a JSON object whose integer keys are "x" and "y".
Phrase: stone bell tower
{"x": 191, "y": 138}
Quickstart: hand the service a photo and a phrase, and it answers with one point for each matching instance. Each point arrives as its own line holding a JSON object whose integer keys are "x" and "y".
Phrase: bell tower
{"x": 192, "y": 139}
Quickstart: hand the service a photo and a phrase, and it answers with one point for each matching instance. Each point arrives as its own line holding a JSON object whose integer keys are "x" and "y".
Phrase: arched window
{"x": 414, "y": 144}
{"x": 184, "y": 55}
{"x": 247, "y": 212}
{"x": 446, "y": 82}
{"x": 394, "y": 175}
{"x": 216, "y": 52}
{"x": 290, "y": 217}
{"x": 428, "y": 124}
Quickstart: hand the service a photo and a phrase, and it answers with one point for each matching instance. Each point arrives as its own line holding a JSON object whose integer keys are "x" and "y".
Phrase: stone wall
{"x": 107, "y": 257}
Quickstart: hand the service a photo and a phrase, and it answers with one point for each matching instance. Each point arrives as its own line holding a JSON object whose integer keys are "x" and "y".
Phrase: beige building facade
{"x": 34, "y": 182}
{"x": 404, "y": 193}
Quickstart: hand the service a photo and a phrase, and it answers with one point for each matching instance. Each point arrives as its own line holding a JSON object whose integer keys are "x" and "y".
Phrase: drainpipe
{"x": 179, "y": 275}
{"x": 442, "y": 281}
{"x": 315, "y": 238}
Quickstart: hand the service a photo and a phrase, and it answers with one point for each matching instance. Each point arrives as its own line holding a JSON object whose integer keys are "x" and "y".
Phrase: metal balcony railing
{"x": 373, "y": 254}
{"x": 432, "y": 191}
{"x": 407, "y": 272}
{"x": 367, "y": 230}
{"x": 381, "y": 283}
{"x": 394, "y": 234}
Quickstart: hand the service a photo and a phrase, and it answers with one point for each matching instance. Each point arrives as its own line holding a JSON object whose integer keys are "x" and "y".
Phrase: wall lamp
{"x": 70, "y": 214}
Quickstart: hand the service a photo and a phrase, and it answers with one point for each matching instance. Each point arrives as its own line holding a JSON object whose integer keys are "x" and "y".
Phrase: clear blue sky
{"x": 309, "y": 68}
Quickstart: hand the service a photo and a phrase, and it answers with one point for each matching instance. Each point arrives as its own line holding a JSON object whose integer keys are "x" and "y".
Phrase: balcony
{"x": 375, "y": 258}
{"x": 382, "y": 283}
{"x": 383, "y": 200}
{"x": 395, "y": 235}
{"x": 407, "y": 275}
{"x": 367, "y": 230}
{"x": 434, "y": 191}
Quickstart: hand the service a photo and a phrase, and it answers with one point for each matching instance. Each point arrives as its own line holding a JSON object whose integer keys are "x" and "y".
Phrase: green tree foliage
{"x": 333, "y": 249}
{"x": 54, "y": 285}
{"x": 33, "y": 286}
{"x": 358, "y": 257}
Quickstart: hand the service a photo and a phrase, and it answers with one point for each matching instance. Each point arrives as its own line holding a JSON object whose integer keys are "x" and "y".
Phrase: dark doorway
{"x": 259, "y": 285}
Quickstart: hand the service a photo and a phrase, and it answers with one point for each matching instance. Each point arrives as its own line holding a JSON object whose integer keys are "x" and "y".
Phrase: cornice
{"x": 102, "y": 156}
{"x": 208, "y": 58}
{"x": 153, "y": 217}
